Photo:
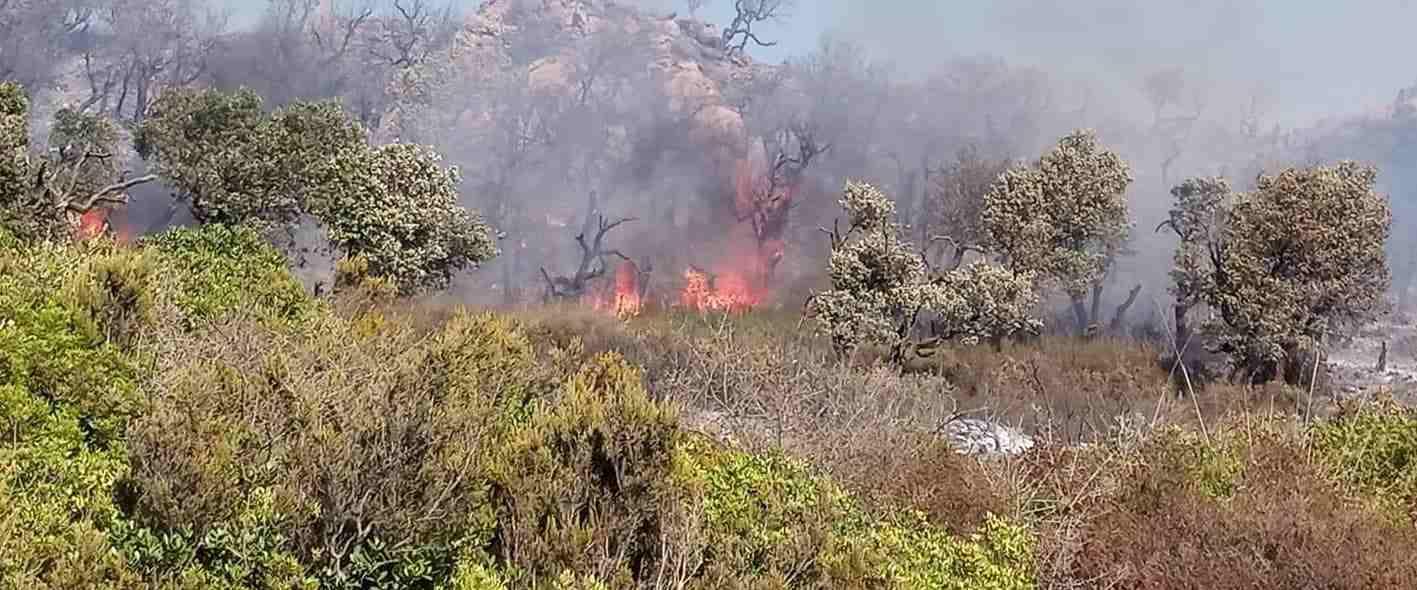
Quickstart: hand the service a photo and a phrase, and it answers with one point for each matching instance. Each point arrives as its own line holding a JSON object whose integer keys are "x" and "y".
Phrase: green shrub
{"x": 217, "y": 269}
{"x": 55, "y": 499}
{"x": 251, "y": 551}
{"x": 374, "y": 445}
{"x": 587, "y": 486}
{"x": 1374, "y": 450}
{"x": 905, "y": 551}
{"x": 56, "y": 344}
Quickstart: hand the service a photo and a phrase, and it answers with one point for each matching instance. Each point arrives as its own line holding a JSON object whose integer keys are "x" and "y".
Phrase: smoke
{"x": 895, "y": 89}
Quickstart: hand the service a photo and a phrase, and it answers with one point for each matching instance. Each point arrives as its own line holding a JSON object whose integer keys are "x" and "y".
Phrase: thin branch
{"x": 117, "y": 188}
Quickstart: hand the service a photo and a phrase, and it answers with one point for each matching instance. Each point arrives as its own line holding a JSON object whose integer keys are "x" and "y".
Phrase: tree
{"x": 1299, "y": 258}
{"x": 1171, "y": 88}
{"x": 1196, "y": 218}
{"x": 593, "y": 254}
{"x": 1064, "y": 218}
{"x": 396, "y": 207}
{"x": 881, "y": 287}
{"x": 411, "y": 31}
{"x": 36, "y": 38}
{"x": 747, "y": 13}
{"x": 955, "y": 203}
{"x": 232, "y": 164}
{"x": 46, "y": 197}
{"x": 139, "y": 48}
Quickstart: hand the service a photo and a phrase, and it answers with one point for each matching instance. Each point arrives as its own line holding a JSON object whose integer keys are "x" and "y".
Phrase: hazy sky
{"x": 1315, "y": 58}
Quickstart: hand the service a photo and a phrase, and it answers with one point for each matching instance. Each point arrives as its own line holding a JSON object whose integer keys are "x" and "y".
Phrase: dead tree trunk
{"x": 1120, "y": 317}
{"x": 593, "y": 254}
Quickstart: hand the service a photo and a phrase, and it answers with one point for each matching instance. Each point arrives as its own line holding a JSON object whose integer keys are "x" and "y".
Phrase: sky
{"x": 1312, "y": 58}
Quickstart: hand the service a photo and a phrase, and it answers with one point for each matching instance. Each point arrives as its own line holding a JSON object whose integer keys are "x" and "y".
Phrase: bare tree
{"x": 770, "y": 199}
{"x": 747, "y": 13}
{"x": 593, "y": 254}
{"x": 36, "y": 38}
{"x": 137, "y": 48}
{"x": 410, "y": 31}
{"x": 1170, "y": 88}
{"x": 955, "y": 200}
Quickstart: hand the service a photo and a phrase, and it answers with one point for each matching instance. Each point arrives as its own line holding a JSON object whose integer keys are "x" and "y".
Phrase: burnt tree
{"x": 768, "y": 200}
{"x": 593, "y": 253}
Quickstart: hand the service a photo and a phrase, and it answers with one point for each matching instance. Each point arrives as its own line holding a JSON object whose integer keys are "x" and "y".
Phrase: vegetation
{"x": 881, "y": 287}
{"x": 1296, "y": 260}
{"x": 394, "y": 206}
{"x": 1064, "y": 218}
{"x": 178, "y": 412}
{"x": 46, "y": 196}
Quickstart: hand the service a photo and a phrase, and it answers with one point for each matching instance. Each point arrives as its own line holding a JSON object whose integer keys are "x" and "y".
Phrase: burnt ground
{"x": 1353, "y": 364}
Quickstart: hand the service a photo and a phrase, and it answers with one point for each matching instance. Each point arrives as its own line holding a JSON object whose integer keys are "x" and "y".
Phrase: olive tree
{"x": 44, "y": 196}
{"x": 1064, "y": 217}
{"x": 233, "y": 164}
{"x": 395, "y": 206}
{"x": 882, "y": 287}
{"x": 1299, "y": 257}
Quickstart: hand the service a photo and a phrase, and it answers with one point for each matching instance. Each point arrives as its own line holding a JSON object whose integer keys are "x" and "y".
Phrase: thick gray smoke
{"x": 614, "y": 97}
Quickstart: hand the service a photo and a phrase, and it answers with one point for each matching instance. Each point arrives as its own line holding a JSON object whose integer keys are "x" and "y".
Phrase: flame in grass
{"x": 92, "y": 224}
{"x": 622, "y": 295}
{"x": 728, "y": 292}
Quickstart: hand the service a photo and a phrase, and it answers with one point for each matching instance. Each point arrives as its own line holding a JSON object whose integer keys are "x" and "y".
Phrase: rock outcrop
{"x": 554, "y": 44}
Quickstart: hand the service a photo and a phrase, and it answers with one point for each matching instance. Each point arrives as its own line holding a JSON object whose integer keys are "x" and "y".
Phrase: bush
{"x": 216, "y": 270}
{"x": 587, "y": 486}
{"x": 1374, "y": 450}
{"x": 55, "y": 499}
{"x": 1298, "y": 258}
{"x": 373, "y": 445}
{"x": 1245, "y": 508}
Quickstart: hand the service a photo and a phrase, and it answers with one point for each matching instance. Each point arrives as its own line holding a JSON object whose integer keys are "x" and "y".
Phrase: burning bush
{"x": 62, "y": 192}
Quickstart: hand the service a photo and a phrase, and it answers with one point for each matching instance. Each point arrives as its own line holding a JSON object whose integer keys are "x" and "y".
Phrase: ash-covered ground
{"x": 1353, "y": 365}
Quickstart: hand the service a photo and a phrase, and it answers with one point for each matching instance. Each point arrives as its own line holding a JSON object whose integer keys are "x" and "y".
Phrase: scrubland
{"x": 181, "y": 414}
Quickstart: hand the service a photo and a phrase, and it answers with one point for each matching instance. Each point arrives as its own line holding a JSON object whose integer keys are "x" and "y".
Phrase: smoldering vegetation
{"x": 542, "y": 104}
{"x": 869, "y": 311}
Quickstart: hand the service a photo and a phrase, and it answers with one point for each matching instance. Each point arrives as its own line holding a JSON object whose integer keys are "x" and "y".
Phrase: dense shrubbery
{"x": 177, "y": 417}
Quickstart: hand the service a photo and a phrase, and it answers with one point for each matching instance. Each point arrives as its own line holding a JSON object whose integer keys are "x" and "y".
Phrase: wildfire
{"x": 729, "y": 292}
{"x": 92, "y": 223}
{"x": 622, "y": 297}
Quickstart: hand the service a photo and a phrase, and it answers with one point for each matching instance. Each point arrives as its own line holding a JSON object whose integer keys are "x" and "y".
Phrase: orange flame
{"x": 92, "y": 223}
{"x": 729, "y": 292}
{"x": 623, "y": 297}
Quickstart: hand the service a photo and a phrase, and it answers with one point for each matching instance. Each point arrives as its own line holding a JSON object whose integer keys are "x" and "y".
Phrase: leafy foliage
{"x": 1374, "y": 449}
{"x": 881, "y": 286}
{"x": 215, "y": 270}
{"x": 396, "y": 207}
{"x": 44, "y": 196}
{"x": 15, "y": 179}
{"x": 1299, "y": 257}
{"x": 223, "y": 155}
{"x": 984, "y": 302}
{"x": 1064, "y": 217}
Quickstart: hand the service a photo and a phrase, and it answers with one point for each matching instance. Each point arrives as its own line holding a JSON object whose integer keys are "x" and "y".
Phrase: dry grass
{"x": 1130, "y": 486}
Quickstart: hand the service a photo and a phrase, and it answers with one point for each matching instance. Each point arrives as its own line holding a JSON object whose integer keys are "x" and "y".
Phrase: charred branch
{"x": 739, "y": 32}
{"x": 591, "y": 241}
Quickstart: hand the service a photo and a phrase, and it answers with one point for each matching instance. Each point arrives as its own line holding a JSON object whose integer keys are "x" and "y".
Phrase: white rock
{"x": 981, "y": 437}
